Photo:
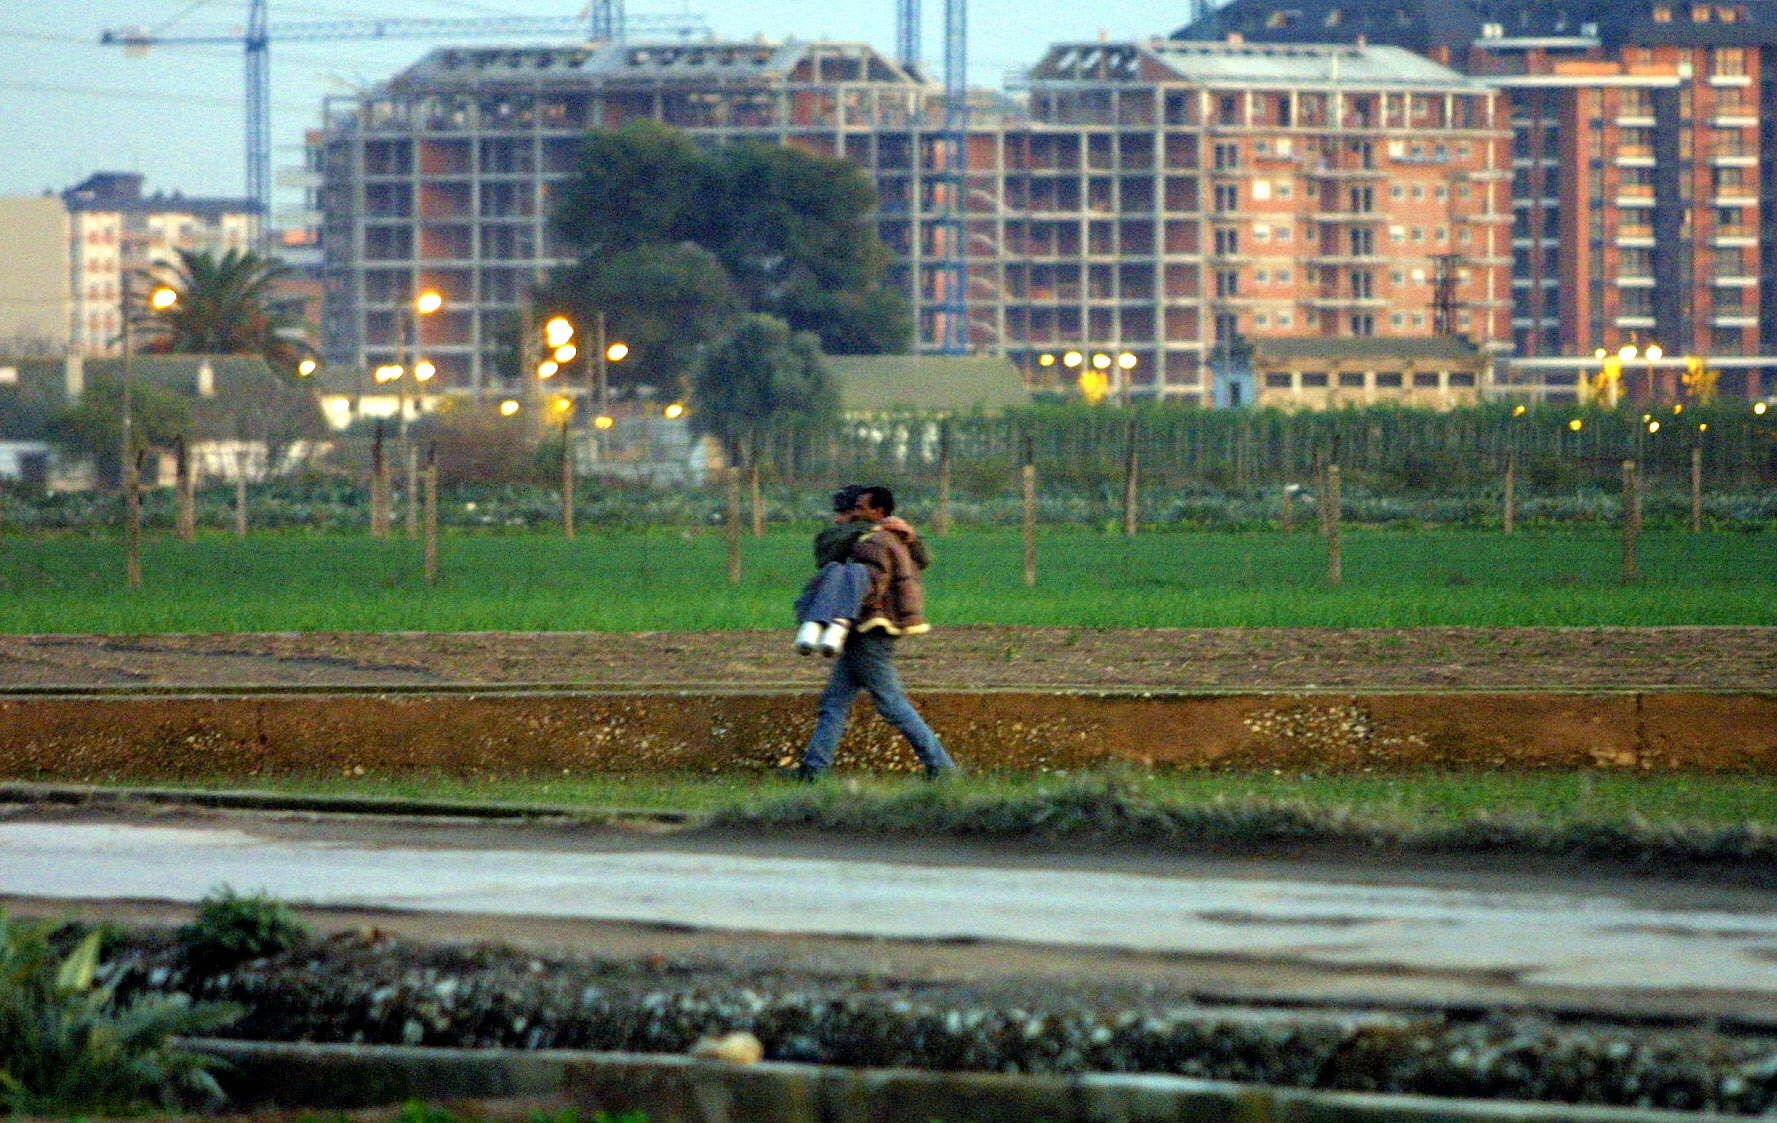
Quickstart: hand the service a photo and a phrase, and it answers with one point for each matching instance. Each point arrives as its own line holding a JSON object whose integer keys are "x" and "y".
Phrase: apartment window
{"x": 1262, "y": 277}
{"x": 1363, "y": 243}
{"x": 1277, "y": 380}
{"x": 1314, "y": 378}
{"x": 1727, "y": 216}
{"x": 1361, "y": 284}
{"x": 1399, "y": 277}
{"x": 1285, "y": 189}
{"x": 1462, "y": 378}
{"x": 1425, "y": 380}
{"x": 1227, "y": 155}
{"x": 1729, "y": 177}
{"x": 1418, "y": 192}
{"x": 1227, "y": 240}
{"x": 1363, "y": 325}
{"x": 1728, "y": 61}
{"x": 1283, "y": 278}
{"x": 1397, "y": 192}
{"x": 1227, "y": 282}
{"x": 1398, "y": 319}
{"x": 1227, "y": 197}
{"x": 1637, "y": 262}
{"x": 1351, "y": 379}
{"x": 1363, "y": 199}
{"x": 1419, "y": 233}
{"x": 1388, "y": 378}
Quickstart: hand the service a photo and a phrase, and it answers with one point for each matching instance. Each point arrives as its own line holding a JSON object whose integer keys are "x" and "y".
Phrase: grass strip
{"x": 1114, "y": 809}
{"x": 1712, "y": 820}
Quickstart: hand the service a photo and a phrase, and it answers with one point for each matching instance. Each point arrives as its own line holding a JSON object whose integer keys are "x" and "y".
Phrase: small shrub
{"x": 67, "y": 1046}
{"x": 231, "y": 929}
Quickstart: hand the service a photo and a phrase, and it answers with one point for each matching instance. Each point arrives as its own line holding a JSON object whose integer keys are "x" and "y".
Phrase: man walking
{"x": 894, "y": 606}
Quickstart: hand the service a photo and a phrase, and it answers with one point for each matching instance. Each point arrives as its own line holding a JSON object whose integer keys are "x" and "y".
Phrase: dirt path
{"x": 957, "y": 658}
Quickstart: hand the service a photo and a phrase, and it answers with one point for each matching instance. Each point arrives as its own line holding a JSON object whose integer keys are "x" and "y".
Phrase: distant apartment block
{"x": 1164, "y": 199}
{"x": 1644, "y": 169}
{"x": 114, "y": 228}
{"x": 34, "y": 277}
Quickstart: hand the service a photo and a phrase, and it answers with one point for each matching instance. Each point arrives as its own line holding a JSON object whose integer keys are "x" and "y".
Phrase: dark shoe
{"x": 801, "y": 774}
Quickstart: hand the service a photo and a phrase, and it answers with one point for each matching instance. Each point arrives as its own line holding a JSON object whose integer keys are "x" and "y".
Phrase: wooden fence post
{"x": 240, "y": 493}
{"x": 1631, "y": 520}
{"x": 1697, "y": 488}
{"x": 413, "y": 487}
{"x": 1335, "y": 546}
{"x": 1131, "y": 473}
{"x": 733, "y": 528}
{"x": 758, "y": 500}
{"x": 1289, "y": 507}
{"x": 184, "y": 491}
{"x": 132, "y": 510}
{"x": 431, "y": 486}
{"x": 941, "y": 521}
{"x": 567, "y": 483}
{"x": 1029, "y": 476}
{"x": 1511, "y": 497}
{"x": 379, "y": 486}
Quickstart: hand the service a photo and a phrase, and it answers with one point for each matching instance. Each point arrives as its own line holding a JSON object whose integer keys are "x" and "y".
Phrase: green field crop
{"x": 642, "y": 581}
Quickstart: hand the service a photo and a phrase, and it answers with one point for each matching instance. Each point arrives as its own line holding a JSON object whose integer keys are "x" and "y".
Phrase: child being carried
{"x": 830, "y": 601}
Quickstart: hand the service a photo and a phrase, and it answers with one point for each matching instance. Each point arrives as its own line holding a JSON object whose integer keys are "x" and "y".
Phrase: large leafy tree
{"x": 228, "y": 305}
{"x": 788, "y": 231}
{"x": 667, "y": 301}
{"x": 762, "y": 380}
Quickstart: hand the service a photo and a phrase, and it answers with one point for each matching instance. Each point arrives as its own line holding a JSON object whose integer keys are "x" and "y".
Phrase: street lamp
{"x": 306, "y": 368}
{"x": 424, "y": 304}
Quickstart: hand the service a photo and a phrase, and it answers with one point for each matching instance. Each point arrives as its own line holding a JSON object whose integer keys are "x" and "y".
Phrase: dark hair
{"x": 847, "y": 497}
{"x": 881, "y": 498}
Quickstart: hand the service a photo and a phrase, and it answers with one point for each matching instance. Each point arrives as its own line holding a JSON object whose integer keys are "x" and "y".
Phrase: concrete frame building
{"x": 35, "y": 300}
{"x": 1158, "y": 198}
{"x": 115, "y": 229}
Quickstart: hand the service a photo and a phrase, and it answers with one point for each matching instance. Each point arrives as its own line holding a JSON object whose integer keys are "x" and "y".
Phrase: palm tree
{"x": 228, "y": 306}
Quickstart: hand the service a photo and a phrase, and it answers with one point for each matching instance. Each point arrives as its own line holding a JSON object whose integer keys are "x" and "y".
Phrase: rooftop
{"x": 1220, "y": 62}
{"x": 670, "y": 62}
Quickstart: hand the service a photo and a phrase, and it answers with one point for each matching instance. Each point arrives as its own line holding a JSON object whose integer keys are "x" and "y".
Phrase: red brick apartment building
{"x": 1171, "y": 200}
{"x": 1642, "y": 171}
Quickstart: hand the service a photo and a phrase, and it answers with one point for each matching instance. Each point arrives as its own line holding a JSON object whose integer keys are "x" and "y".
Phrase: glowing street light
{"x": 428, "y": 302}
{"x": 307, "y": 367}
{"x": 674, "y": 411}
{"x": 162, "y": 298}
{"x": 425, "y": 370}
{"x": 1576, "y": 424}
{"x": 1101, "y": 362}
{"x": 1759, "y": 408}
{"x": 617, "y": 352}
{"x": 565, "y": 353}
{"x": 604, "y": 421}
{"x": 557, "y": 331}
{"x": 1072, "y": 359}
{"x": 1127, "y": 360}
{"x": 508, "y": 408}
{"x": 548, "y": 368}
{"x": 1046, "y": 359}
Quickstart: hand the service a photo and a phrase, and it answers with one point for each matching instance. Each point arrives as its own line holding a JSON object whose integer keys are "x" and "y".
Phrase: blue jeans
{"x": 868, "y": 663}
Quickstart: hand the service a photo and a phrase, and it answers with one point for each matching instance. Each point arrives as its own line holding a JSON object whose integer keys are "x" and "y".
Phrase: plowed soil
{"x": 1281, "y": 659}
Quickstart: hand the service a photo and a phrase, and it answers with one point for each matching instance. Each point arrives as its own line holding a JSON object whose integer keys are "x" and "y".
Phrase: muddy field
{"x": 1266, "y": 659}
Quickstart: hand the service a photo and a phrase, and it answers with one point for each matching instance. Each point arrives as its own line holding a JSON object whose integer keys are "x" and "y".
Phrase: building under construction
{"x": 1162, "y": 202}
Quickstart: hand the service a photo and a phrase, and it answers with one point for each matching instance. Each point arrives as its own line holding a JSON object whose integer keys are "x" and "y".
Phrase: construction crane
{"x": 603, "y": 21}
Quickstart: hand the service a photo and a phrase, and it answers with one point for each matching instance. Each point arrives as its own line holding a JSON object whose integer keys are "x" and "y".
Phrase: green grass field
{"x": 677, "y": 581}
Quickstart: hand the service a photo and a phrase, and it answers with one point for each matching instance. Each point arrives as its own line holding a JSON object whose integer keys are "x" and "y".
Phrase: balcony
{"x": 1734, "y": 320}
{"x": 1734, "y": 236}
{"x": 1726, "y": 80}
{"x": 1349, "y": 216}
{"x": 1633, "y": 156}
{"x": 1635, "y": 281}
{"x": 1634, "y": 197}
{"x": 1734, "y": 119}
{"x": 1334, "y": 171}
{"x": 1733, "y": 160}
{"x": 1635, "y": 236}
{"x": 1734, "y": 281}
{"x": 1347, "y": 259}
{"x": 1634, "y": 320}
{"x": 1734, "y": 199}
{"x": 1359, "y": 303}
{"x": 1635, "y": 120}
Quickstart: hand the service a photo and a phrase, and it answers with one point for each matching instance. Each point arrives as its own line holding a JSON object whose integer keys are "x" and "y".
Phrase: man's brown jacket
{"x": 896, "y": 602}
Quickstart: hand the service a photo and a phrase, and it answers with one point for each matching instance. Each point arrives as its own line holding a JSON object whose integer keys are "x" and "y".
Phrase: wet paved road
{"x": 1598, "y": 938}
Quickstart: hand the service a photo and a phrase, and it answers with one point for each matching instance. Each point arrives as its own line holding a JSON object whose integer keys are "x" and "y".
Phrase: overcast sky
{"x": 69, "y": 106}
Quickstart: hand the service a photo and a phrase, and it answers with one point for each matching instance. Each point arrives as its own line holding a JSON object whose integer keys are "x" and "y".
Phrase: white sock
{"x": 833, "y": 637}
{"x": 808, "y": 637}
